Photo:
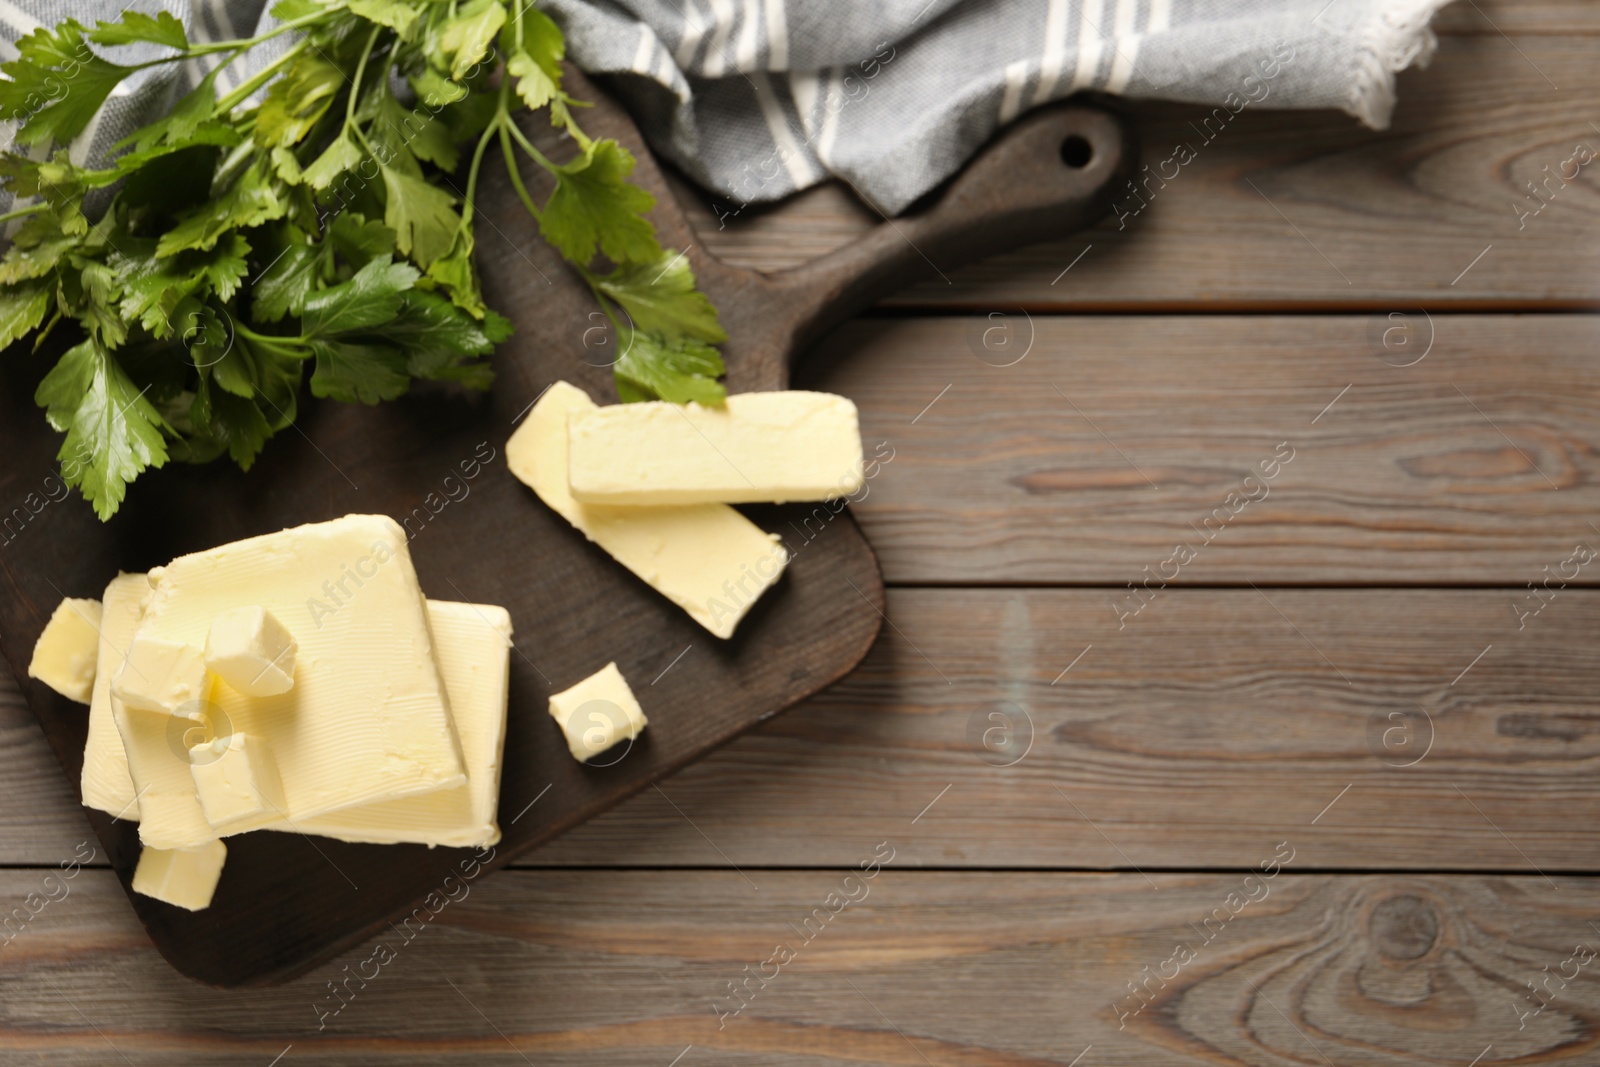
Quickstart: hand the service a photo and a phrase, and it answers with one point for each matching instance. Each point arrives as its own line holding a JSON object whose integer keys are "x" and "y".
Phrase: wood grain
{"x": 1209, "y": 726}
{"x": 1021, "y": 970}
{"x": 1117, "y": 438}
{"x": 1299, "y": 210}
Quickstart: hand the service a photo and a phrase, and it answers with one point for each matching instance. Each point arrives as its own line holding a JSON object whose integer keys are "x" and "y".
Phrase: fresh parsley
{"x": 307, "y": 221}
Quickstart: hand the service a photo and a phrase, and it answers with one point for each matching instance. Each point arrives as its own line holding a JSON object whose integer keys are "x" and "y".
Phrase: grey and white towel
{"x": 759, "y": 98}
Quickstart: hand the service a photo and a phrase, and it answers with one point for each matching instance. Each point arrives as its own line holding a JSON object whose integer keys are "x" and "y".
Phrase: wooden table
{"x": 1317, "y": 788}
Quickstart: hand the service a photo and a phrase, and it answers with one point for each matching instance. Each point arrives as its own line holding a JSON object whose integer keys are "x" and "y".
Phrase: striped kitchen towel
{"x": 756, "y": 99}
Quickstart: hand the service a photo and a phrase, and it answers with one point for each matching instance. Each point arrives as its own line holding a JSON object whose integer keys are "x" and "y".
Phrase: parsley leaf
{"x": 249, "y": 201}
{"x": 422, "y": 216}
{"x": 137, "y": 26}
{"x": 661, "y": 297}
{"x": 358, "y": 240}
{"x": 354, "y": 371}
{"x": 467, "y": 37}
{"x": 56, "y": 84}
{"x": 593, "y": 207}
{"x": 439, "y": 339}
{"x": 22, "y": 307}
{"x": 113, "y": 432}
{"x": 286, "y": 283}
{"x": 537, "y": 65}
{"x": 651, "y": 367}
{"x": 337, "y": 158}
{"x": 153, "y": 286}
{"x": 372, "y": 297}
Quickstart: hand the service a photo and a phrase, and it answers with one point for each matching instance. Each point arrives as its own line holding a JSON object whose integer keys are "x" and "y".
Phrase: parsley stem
{"x": 261, "y": 77}
{"x": 514, "y": 172}
{"x": 361, "y": 67}
{"x": 249, "y": 42}
{"x": 31, "y": 209}
{"x": 533, "y": 153}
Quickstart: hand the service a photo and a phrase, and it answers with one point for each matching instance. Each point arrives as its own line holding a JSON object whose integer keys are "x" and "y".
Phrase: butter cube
{"x": 252, "y": 651}
{"x": 708, "y": 559}
{"x": 65, "y": 654}
{"x": 237, "y": 779}
{"x": 161, "y": 675}
{"x": 757, "y": 448}
{"x": 597, "y": 713}
{"x": 186, "y": 877}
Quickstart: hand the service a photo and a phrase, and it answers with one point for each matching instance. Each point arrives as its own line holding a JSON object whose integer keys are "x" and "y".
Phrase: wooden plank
{"x": 1116, "y": 439}
{"x": 1296, "y": 210}
{"x": 1515, "y": 17}
{"x": 1209, "y": 724}
{"x": 958, "y": 969}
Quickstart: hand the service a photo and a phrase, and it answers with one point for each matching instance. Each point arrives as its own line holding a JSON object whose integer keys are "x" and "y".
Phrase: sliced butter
{"x": 707, "y": 558}
{"x": 758, "y": 447}
{"x": 597, "y": 713}
{"x": 184, "y": 877}
{"x": 107, "y": 785}
{"x": 64, "y": 656}
{"x": 473, "y": 643}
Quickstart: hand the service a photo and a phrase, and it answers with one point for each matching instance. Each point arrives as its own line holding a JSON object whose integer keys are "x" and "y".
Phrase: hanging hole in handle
{"x": 1076, "y": 151}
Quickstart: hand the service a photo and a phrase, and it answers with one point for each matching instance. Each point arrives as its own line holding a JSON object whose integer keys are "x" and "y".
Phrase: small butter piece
{"x": 252, "y": 651}
{"x": 65, "y": 654}
{"x": 186, "y": 877}
{"x": 757, "y": 448}
{"x": 162, "y": 675}
{"x": 708, "y": 559}
{"x": 597, "y": 713}
{"x": 237, "y": 779}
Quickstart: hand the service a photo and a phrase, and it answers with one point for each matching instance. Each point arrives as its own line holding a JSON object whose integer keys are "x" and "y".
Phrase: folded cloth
{"x": 756, "y": 99}
{"x": 760, "y": 98}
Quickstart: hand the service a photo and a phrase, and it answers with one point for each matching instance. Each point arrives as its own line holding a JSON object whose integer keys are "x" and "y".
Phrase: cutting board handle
{"x": 1051, "y": 173}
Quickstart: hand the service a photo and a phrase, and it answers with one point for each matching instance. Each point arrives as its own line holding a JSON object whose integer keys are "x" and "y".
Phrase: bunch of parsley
{"x": 322, "y": 226}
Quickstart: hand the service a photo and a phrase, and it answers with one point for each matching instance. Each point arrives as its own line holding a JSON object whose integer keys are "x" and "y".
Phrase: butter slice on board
{"x": 708, "y": 559}
{"x": 758, "y": 448}
{"x": 473, "y": 643}
{"x": 107, "y": 785}
{"x": 367, "y": 719}
{"x": 473, "y": 646}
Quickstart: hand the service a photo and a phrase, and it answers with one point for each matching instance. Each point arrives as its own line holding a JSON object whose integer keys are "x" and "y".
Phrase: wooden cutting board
{"x": 287, "y": 902}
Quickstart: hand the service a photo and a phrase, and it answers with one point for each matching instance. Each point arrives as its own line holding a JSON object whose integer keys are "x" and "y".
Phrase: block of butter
{"x": 472, "y": 643}
{"x": 758, "y": 448}
{"x": 708, "y": 559}
{"x": 65, "y": 655}
{"x": 107, "y": 785}
{"x": 186, "y": 878}
{"x": 367, "y": 720}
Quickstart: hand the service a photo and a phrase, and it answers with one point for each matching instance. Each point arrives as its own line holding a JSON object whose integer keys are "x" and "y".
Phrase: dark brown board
{"x": 286, "y": 902}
